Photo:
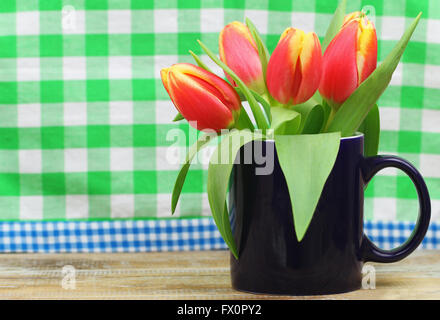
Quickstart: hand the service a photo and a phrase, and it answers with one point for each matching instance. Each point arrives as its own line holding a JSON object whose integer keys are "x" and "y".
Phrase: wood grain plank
{"x": 185, "y": 275}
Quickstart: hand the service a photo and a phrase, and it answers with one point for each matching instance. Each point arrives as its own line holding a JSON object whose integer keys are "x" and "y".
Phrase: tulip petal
{"x": 164, "y": 76}
{"x": 340, "y": 75}
{"x": 351, "y": 16}
{"x": 283, "y": 74}
{"x": 311, "y": 68}
{"x": 240, "y": 53}
{"x": 367, "y": 50}
{"x": 197, "y": 104}
{"x": 219, "y": 87}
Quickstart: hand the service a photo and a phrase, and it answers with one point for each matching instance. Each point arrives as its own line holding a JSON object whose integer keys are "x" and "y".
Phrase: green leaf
{"x": 178, "y": 117}
{"x": 312, "y": 117}
{"x": 240, "y": 94}
{"x": 317, "y": 97}
{"x": 255, "y": 107}
{"x": 327, "y": 111}
{"x": 335, "y": 24}
{"x": 244, "y": 122}
{"x": 314, "y": 121}
{"x": 285, "y": 121}
{"x": 354, "y": 110}
{"x": 196, "y": 147}
{"x": 371, "y": 130}
{"x": 263, "y": 53}
{"x": 199, "y": 61}
{"x": 258, "y": 98}
{"x": 219, "y": 171}
{"x": 264, "y": 104}
{"x": 306, "y": 161}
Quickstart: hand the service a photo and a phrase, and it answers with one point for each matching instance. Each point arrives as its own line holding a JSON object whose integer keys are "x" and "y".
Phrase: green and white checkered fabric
{"x": 84, "y": 116}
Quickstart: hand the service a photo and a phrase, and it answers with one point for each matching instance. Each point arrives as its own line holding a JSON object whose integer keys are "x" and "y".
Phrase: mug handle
{"x": 369, "y": 251}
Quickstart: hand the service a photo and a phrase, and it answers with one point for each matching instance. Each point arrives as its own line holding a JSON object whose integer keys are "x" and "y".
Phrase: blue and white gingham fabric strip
{"x": 110, "y": 236}
{"x": 388, "y": 235}
{"x": 158, "y": 235}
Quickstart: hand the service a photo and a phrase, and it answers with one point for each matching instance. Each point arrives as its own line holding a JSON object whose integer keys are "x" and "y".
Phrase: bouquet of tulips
{"x": 305, "y": 96}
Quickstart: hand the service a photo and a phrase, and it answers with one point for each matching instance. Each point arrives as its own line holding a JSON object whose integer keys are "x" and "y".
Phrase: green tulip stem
{"x": 330, "y": 118}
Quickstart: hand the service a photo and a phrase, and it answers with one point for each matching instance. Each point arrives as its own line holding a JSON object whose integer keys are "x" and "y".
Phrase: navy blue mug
{"x": 330, "y": 257}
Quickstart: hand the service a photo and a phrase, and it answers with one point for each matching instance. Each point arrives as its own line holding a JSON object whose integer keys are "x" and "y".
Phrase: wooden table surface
{"x": 183, "y": 275}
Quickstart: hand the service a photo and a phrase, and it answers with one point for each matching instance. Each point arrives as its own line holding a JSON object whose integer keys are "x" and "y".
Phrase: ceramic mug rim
{"x": 357, "y": 135}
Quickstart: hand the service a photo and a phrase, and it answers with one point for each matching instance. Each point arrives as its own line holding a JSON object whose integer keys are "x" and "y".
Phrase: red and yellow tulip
{"x": 295, "y": 67}
{"x": 240, "y": 53}
{"x": 349, "y": 59}
{"x": 204, "y": 99}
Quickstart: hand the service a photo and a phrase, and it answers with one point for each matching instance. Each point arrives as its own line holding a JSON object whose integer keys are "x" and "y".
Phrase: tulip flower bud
{"x": 204, "y": 99}
{"x": 240, "y": 53}
{"x": 349, "y": 59}
{"x": 295, "y": 67}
